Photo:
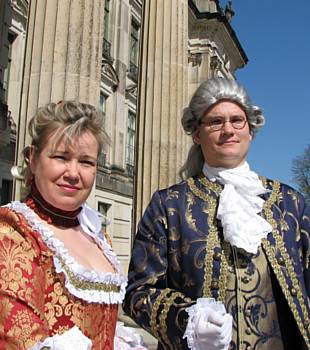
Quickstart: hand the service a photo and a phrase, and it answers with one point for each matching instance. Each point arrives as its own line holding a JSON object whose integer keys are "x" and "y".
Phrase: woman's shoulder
{"x": 16, "y": 229}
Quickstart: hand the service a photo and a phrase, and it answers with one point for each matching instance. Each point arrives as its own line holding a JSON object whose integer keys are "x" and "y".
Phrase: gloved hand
{"x": 213, "y": 329}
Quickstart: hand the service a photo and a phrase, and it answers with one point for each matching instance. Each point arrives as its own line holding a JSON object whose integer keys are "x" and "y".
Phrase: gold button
{"x": 293, "y": 292}
{"x": 281, "y": 261}
{"x": 248, "y": 331}
{"x": 248, "y": 312}
{"x": 245, "y": 279}
{"x": 217, "y": 256}
{"x": 215, "y": 284}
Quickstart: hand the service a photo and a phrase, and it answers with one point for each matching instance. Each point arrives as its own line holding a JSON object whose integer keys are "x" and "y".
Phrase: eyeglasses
{"x": 217, "y": 123}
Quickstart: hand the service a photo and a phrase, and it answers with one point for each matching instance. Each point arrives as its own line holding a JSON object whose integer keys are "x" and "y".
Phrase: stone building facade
{"x": 91, "y": 50}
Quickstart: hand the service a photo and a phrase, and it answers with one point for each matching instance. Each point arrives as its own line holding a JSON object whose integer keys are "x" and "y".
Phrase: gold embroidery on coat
{"x": 155, "y": 309}
{"x": 212, "y": 240}
{"x": 163, "y": 317}
{"x": 289, "y": 266}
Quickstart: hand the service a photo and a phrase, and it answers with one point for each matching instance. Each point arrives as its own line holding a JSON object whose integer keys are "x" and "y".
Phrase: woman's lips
{"x": 69, "y": 188}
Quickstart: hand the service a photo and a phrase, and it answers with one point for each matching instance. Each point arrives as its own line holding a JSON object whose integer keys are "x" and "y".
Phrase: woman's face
{"x": 65, "y": 176}
{"x": 227, "y": 147}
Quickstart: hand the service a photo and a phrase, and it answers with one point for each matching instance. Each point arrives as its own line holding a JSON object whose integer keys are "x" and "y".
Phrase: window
{"x": 102, "y": 108}
{"x": 106, "y": 49}
{"x": 106, "y": 19}
{"x": 131, "y": 133}
{"x": 134, "y": 50}
{"x": 6, "y": 191}
{"x": 103, "y": 209}
{"x": 11, "y": 38}
{"x": 134, "y": 43}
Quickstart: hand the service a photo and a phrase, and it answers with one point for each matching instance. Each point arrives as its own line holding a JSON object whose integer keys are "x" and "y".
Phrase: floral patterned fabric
{"x": 45, "y": 292}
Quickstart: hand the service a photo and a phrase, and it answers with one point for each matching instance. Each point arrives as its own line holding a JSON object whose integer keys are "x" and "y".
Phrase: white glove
{"x": 213, "y": 330}
{"x": 209, "y": 326}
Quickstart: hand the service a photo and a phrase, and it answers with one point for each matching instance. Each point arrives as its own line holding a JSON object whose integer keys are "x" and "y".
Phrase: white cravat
{"x": 239, "y": 205}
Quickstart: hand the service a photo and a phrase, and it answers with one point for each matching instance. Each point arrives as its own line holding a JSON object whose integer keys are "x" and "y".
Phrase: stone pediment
{"x": 132, "y": 92}
{"x": 109, "y": 75}
{"x": 20, "y": 6}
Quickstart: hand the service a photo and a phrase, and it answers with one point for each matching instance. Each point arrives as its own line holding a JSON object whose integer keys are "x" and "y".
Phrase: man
{"x": 221, "y": 260}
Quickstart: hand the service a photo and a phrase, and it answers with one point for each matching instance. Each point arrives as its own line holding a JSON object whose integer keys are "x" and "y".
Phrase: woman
{"x": 60, "y": 281}
{"x": 221, "y": 260}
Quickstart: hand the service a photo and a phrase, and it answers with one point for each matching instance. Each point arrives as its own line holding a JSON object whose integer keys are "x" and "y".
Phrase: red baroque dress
{"x": 45, "y": 292}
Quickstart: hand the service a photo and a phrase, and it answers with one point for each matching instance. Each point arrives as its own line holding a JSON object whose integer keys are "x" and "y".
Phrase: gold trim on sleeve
{"x": 155, "y": 309}
{"x": 163, "y": 317}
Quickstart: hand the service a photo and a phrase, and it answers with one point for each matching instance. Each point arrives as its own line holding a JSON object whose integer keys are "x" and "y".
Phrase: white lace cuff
{"x": 72, "y": 339}
{"x": 194, "y": 312}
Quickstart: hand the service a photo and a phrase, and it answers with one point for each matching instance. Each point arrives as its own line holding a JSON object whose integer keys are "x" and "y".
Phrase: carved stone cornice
{"x": 108, "y": 73}
{"x": 20, "y": 6}
{"x": 132, "y": 92}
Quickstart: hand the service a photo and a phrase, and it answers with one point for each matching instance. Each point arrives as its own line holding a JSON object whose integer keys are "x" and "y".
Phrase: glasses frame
{"x": 221, "y": 126}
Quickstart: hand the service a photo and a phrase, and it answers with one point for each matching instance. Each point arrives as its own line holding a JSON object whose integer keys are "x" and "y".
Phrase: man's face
{"x": 226, "y": 147}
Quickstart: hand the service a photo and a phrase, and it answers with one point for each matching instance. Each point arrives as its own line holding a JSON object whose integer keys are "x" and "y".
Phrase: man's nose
{"x": 227, "y": 126}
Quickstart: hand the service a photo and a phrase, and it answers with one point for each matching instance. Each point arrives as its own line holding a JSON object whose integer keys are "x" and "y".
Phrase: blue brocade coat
{"x": 179, "y": 255}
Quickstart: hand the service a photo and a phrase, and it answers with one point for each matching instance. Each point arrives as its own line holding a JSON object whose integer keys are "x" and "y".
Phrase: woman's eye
{"x": 59, "y": 157}
{"x": 88, "y": 162}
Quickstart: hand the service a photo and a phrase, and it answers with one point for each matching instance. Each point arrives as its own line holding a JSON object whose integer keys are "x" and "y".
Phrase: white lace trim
{"x": 83, "y": 274}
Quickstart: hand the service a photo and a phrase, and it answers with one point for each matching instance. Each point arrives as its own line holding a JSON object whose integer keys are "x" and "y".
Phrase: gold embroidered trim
{"x": 212, "y": 238}
{"x": 213, "y": 186}
{"x": 87, "y": 285}
{"x": 223, "y": 272}
{"x": 155, "y": 309}
{"x": 163, "y": 317}
{"x": 289, "y": 266}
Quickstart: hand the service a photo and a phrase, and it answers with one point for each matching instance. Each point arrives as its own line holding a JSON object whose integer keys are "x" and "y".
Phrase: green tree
{"x": 301, "y": 173}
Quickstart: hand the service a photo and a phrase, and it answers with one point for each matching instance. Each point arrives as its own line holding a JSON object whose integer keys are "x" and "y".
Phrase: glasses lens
{"x": 239, "y": 123}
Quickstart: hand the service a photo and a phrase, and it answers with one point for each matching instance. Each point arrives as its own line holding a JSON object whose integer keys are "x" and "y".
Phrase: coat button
{"x": 245, "y": 279}
{"x": 217, "y": 256}
{"x": 281, "y": 261}
{"x": 248, "y": 331}
{"x": 248, "y": 312}
{"x": 215, "y": 284}
{"x": 293, "y": 292}
{"x": 249, "y": 347}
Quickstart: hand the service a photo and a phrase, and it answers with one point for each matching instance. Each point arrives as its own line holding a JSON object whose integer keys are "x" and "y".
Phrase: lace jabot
{"x": 102, "y": 287}
{"x": 240, "y": 205}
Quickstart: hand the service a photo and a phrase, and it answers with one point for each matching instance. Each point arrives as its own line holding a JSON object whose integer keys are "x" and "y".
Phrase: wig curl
{"x": 213, "y": 91}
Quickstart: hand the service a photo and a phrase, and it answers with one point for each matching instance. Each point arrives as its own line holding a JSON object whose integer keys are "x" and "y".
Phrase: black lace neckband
{"x": 49, "y": 213}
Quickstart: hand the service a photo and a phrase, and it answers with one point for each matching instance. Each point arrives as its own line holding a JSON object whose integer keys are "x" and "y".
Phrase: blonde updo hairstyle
{"x": 64, "y": 119}
{"x": 207, "y": 94}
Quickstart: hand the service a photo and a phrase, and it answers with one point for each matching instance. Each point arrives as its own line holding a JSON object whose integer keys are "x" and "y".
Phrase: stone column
{"x": 162, "y": 145}
{"x": 62, "y": 58}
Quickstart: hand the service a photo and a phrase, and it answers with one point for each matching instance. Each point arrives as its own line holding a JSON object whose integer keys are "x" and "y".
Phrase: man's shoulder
{"x": 277, "y": 184}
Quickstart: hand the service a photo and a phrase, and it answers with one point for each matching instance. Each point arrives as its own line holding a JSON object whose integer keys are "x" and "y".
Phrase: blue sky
{"x": 275, "y": 36}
